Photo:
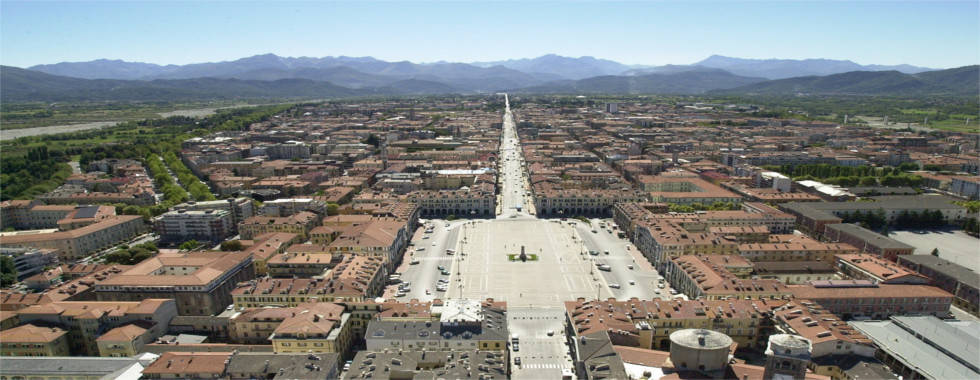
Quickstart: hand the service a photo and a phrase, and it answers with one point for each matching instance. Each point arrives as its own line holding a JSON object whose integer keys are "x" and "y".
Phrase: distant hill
{"x": 272, "y": 76}
{"x": 414, "y": 86}
{"x": 355, "y": 72}
{"x": 959, "y": 81}
{"x": 103, "y": 69}
{"x": 20, "y": 85}
{"x": 682, "y": 82}
{"x": 787, "y": 68}
{"x": 339, "y": 75}
{"x": 562, "y": 67}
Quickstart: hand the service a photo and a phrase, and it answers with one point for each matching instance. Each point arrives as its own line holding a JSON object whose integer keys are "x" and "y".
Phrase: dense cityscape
{"x": 480, "y": 190}
{"x": 503, "y": 236}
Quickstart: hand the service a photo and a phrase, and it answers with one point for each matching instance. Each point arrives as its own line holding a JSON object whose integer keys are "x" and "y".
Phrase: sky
{"x": 932, "y": 33}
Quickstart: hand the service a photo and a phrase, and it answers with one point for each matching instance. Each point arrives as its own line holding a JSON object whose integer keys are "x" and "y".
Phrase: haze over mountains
{"x": 270, "y": 75}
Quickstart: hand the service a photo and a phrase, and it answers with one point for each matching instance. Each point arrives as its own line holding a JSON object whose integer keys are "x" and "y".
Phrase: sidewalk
{"x": 641, "y": 261}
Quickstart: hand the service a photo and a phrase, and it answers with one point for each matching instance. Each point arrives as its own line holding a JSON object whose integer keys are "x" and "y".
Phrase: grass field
{"x": 955, "y": 122}
{"x": 32, "y": 115}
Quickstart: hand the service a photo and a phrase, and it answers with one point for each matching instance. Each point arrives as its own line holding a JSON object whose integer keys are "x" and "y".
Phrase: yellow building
{"x": 316, "y": 327}
{"x": 648, "y": 324}
{"x": 300, "y": 223}
{"x": 124, "y": 341}
{"x": 31, "y": 340}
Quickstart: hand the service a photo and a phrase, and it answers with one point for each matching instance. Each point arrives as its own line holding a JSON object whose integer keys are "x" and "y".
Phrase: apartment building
{"x": 242, "y": 365}
{"x": 315, "y": 327}
{"x": 289, "y": 206}
{"x": 463, "y": 324}
{"x": 303, "y": 261}
{"x": 383, "y": 238}
{"x": 300, "y": 223}
{"x": 86, "y": 321}
{"x": 211, "y": 226}
{"x": 700, "y": 276}
{"x": 478, "y": 200}
{"x": 862, "y": 266}
{"x": 26, "y": 215}
{"x": 80, "y": 242}
{"x": 199, "y": 282}
{"x": 662, "y": 239}
{"x": 862, "y": 298}
{"x": 31, "y": 340}
{"x": 266, "y": 246}
{"x": 685, "y": 190}
{"x": 30, "y": 261}
{"x": 837, "y": 349}
{"x": 814, "y": 216}
{"x": 961, "y": 281}
{"x": 556, "y": 202}
{"x": 795, "y": 248}
{"x": 353, "y": 279}
{"x": 866, "y": 240}
{"x": 240, "y": 208}
{"x": 795, "y": 272}
{"x": 649, "y": 323}
{"x": 448, "y": 364}
{"x": 965, "y": 186}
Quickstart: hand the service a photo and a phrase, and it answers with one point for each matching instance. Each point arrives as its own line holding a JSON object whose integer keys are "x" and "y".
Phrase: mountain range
{"x": 272, "y": 76}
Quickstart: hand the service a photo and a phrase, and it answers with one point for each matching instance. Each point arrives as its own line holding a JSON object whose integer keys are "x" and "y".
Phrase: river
{"x": 49, "y": 130}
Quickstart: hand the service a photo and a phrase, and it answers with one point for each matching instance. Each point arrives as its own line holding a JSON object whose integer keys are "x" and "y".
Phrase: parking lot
{"x": 954, "y": 245}
{"x": 560, "y": 272}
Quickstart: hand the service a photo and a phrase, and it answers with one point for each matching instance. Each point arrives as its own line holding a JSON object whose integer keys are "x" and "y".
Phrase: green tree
{"x": 935, "y": 252}
{"x": 373, "y": 140}
{"x": 333, "y": 209}
{"x": 8, "y": 272}
{"x": 189, "y": 245}
{"x": 231, "y": 245}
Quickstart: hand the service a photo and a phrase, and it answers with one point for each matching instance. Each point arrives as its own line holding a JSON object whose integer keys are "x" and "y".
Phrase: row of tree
{"x": 877, "y": 220}
{"x": 172, "y": 193}
{"x": 198, "y": 190}
{"x": 717, "y": 206}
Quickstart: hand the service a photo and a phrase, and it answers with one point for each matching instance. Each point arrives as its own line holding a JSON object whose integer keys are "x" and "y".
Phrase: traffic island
{"x": 522, "y": 257}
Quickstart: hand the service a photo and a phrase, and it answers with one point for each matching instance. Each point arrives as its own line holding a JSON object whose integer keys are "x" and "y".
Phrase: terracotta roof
{"x": 31, "y": 334}
{"x": 186, "y": 363}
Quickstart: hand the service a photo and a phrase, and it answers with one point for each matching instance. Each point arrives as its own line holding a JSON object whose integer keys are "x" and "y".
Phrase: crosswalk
{"x": 544, "y": 366}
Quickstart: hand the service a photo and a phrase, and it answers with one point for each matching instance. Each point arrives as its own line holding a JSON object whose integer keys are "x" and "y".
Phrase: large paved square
{"x": 560, "y": 274}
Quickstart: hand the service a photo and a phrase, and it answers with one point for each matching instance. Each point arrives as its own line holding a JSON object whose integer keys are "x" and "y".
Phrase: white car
{"x": 614, "y": 285}
{"x": 632, "y": 282}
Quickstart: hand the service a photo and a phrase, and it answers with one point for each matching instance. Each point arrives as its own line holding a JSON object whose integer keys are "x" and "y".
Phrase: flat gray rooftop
{"x": 933, "y": 355}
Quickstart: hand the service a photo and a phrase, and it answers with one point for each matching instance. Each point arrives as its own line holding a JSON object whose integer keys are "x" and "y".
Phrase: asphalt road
{"x": 643, "y": 277}
{"x": 514, "y": 188}
{"x": 430, "y": 251}
{"x": 541, "y": 356}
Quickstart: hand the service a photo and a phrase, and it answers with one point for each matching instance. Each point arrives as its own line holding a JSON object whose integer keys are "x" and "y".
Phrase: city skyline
{"x": 941, "y": 34}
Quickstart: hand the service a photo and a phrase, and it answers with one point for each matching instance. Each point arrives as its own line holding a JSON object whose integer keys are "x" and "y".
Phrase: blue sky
{"x": 933, "y": 34}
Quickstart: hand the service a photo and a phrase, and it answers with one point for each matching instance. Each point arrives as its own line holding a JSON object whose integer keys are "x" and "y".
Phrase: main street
{"x": 559, "y": 267}
{"x": 515, "y": 196}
